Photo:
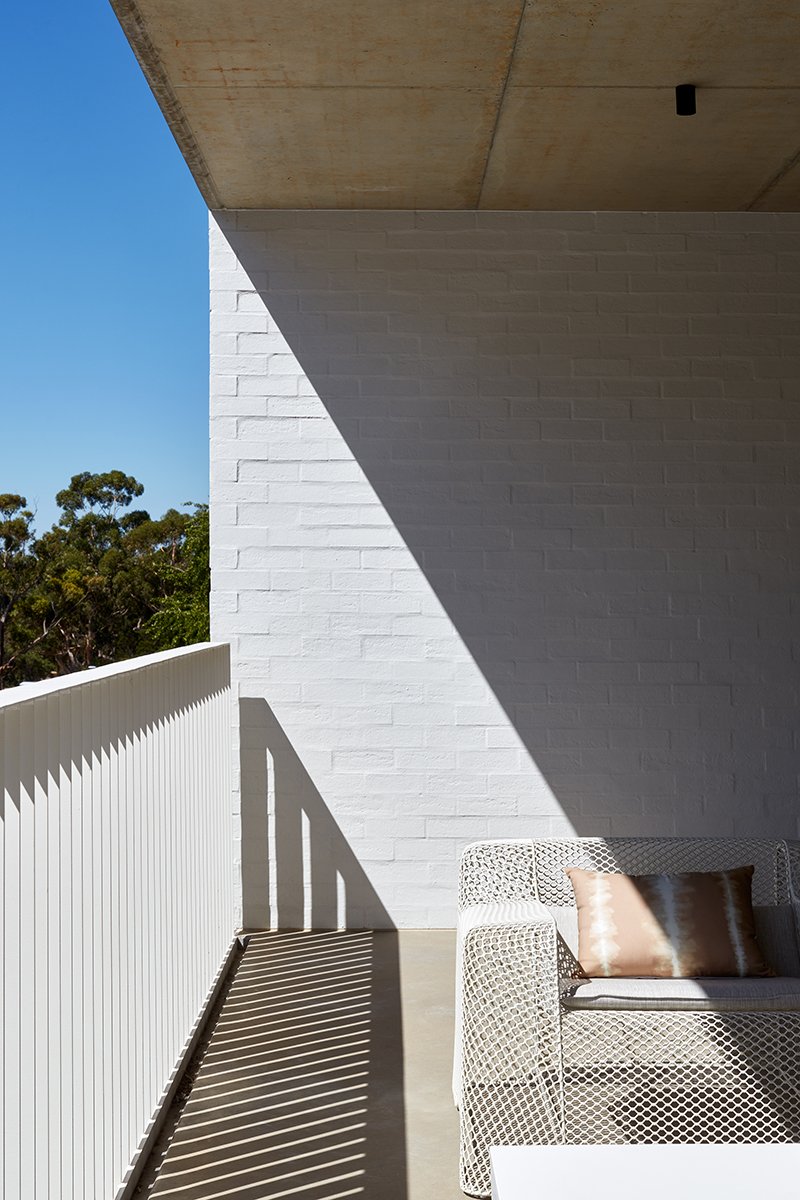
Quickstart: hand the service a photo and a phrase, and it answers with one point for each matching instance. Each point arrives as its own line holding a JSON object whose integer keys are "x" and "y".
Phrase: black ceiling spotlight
{"x": 685, "y": 105}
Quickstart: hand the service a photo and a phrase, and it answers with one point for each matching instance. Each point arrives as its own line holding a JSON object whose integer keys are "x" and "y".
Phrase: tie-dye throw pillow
{"x": 666, "y": 926}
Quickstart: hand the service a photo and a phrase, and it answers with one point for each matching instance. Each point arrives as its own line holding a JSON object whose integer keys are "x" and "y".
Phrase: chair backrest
{"x": 652, "y": 856}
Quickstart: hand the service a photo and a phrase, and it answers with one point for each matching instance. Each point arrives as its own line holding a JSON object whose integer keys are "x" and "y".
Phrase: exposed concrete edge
{"x": 135, "y": 31}
{"x": 784, "y": 169}
{"x": 501, "y": 102}
{"x": 153, "y": 1131}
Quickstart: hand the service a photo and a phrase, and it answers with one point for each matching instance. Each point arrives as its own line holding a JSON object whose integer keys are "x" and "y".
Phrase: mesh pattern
{"x": 568, "y": 965}
{"x": 512, "y": 1091}
{"x": 681, "y": 1077}
{"x": 793, "y": 860}
{"x": 650, "y": 856}
{"x": 535, "y": 1073}
{"x": 496, "y": 871}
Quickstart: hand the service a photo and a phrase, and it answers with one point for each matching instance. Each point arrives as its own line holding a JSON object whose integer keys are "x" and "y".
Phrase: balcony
{"x": 504, "y": 504}
{"x": 151, "y": 1050}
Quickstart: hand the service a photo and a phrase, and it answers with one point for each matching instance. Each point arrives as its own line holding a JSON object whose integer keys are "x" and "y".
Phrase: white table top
{"x": 752, "y": 1171}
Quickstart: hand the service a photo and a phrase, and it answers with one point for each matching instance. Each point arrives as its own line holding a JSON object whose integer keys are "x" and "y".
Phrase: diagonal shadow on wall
{"x": 615, "y": 622}
{"x": 319, "y": 1010}
{"x": 298, "y": 871}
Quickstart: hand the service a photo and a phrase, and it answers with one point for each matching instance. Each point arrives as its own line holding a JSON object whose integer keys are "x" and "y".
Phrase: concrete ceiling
{"x": 501, "y": 104}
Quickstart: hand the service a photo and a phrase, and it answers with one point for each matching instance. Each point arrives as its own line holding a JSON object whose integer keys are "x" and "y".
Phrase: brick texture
{"x": 505, "y": 538}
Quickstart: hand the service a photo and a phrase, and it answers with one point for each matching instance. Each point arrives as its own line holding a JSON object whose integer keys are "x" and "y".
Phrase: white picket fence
{"x": 117, "y": 907}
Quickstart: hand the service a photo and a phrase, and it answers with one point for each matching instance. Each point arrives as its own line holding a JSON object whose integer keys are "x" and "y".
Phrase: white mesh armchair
{"x": 543, "y": 1058}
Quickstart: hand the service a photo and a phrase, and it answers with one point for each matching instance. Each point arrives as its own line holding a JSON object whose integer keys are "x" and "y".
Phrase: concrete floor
{"x": 325, "y": 1073}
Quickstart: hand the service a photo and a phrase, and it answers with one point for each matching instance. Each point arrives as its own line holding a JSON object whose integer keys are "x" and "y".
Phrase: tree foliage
{"x": 106, "y": 582}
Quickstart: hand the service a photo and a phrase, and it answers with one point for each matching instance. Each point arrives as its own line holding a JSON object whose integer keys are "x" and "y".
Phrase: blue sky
{"x": 104, "y": 268}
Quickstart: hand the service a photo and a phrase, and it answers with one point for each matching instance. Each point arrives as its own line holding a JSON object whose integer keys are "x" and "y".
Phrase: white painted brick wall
{"x": 505, "y": 520}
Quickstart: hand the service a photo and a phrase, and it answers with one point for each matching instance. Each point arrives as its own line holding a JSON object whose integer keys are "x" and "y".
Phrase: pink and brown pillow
{"x": 666, "y": 926}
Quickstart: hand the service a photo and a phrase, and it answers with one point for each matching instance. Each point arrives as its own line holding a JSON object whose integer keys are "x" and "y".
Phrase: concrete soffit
{"x": 154, "y": 72}
{"x": 478, "y": 104}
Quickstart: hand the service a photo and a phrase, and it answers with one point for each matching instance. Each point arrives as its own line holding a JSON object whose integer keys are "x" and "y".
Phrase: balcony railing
{"x": 117, "y": 907}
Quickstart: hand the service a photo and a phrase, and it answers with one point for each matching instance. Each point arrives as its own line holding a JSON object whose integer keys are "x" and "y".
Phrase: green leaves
{"x": 182, "y": 617}
{"x": 106, "y": 494}
{"x": 18, "y": 573}
{"x": 102, "y": 584}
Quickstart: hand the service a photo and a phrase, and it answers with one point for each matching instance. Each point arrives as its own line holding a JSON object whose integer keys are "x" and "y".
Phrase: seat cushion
{"x": 776, "y": 934}
{"x": 779, "y": 994}
{"x": 566, "y": 919}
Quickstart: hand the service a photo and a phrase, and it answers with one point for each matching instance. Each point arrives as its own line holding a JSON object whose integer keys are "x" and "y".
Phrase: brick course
{"x": 505, "y": 513}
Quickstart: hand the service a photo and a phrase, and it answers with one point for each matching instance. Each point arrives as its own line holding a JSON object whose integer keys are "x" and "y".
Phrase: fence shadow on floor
{"x": 299, "y": 1089}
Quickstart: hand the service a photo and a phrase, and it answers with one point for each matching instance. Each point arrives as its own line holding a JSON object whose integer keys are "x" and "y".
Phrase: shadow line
{"x": 298, "y": 871}
{"x": 616, "y": 625}
{"x": 270, "y": 1111}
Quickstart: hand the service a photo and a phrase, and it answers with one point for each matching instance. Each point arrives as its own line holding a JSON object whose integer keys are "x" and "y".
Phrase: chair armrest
{"x": 507, "y": 995}
{"x": 502, "y": 912}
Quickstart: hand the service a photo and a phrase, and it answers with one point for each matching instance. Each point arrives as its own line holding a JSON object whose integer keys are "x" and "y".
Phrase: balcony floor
{"x": 325, "y": 1073}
